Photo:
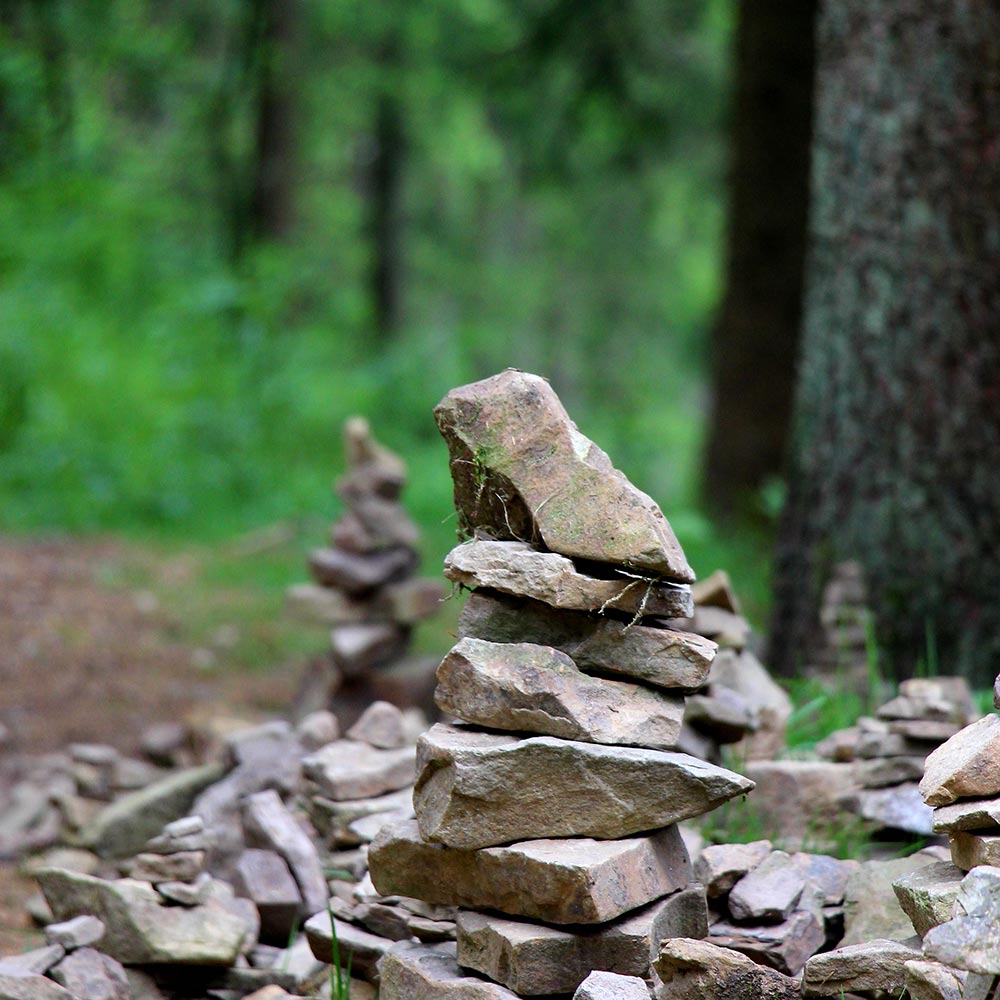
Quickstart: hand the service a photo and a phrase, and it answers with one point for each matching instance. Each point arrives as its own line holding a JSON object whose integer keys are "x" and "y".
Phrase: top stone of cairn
{"x": 522, "y": 470}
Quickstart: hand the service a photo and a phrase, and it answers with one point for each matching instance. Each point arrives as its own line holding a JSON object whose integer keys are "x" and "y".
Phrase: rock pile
{"x": 364, "y": 589}
{"x": 555, "y": 797}
{"x": 845, "y": 626}
{"x": 888, "y": 751}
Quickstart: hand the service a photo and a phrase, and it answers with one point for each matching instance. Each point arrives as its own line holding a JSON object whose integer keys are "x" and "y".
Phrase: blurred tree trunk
{"x": 53, "y": 47}
{"x": 272, "y": 189}
{"x": 385, "y": 198}
{"x": 756, "y": 334}
{"x": 897, "y": 416}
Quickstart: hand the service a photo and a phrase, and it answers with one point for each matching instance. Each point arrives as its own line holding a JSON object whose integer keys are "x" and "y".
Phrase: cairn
{"x": 556, "y": 794}
{"x": 365, "y": 590}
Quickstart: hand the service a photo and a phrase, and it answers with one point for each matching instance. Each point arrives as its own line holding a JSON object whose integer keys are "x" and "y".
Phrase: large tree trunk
{"x": 897, "y": 431}
{"x": 756, "y": 335}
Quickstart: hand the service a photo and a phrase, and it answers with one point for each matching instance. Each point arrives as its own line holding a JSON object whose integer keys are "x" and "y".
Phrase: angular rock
{"x": 18, "y": 985}
{"x": 928, "y": 894}
{"x": 720, "y": 866}
{"x": 682, "y": 914}
{"x": 140, "y": 929}
{"x": 517, "y": 568}
{"x": 317, "y": 729}
{"x": 537, "y": 689}
{"x": 478, "y": 789}
{"x": 724, "y": 716}
{"x": 927, "y": 730}
{"x": 264, "y": 877}
{"x": 91, "y": 974}
{"x": 187, "y": 893}
{"x": 979, "y": 893}
{"x": 359, "y": 947}
{"x": 898, "y": 808}
{"x": 687, "y": 968}
{"x": 37, "y": 961}
{"x": 533, "y": 959}
{"x": 871, "y": 909}
{"x": 967, "y": 766}
{"x": 76, "y": 933}
{"x": 522, "y": 469}
{"x": 121, "y": 829}
{"x": 185, "y": 834}
{"x": 338, "y": 820}
{"x": 380, "y": 725}
{"x": 350, "y": 770}
{"x": 975, "y": 814}
{"x": 716, "y": 591}
{"x": 183, "y": 866}
{"x": 658, "y": 656}
{"x": 828, "y": 874}
{"x": 358, "y": 575}
{"x": 873, "y": 965}
{"x": 402, "y": 603}
{"x": 933, "y": 981}
{"x": 971, "y": 849}
{"x": 575, "y": 881}
{"x": 269, "y": 824}
{"x": 357, "y": 649}
{"x": 784, "y": 947}
{"x": 421, "y": 972}
{"x": 970, "y": 943}
{"x": 611, "y": 986}
{"x": 882, "y": 771}
{"x": 768, "y": 894}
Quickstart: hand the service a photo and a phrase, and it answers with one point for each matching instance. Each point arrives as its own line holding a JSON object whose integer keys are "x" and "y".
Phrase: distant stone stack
{"x": 889, "y": 750}
{"x": 365, "y": 589}
{"x": 555, "y": 797}
{"x": 845, "y": 623}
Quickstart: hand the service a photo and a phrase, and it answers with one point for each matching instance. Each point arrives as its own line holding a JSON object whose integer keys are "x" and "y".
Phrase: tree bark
{"x": 755, "y": 338}
{"x": 897, "y": 422}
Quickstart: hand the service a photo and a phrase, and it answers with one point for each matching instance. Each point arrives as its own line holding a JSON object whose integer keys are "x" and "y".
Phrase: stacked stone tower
{"x": 555, "y": 795}
{"x": 364, "y": 588}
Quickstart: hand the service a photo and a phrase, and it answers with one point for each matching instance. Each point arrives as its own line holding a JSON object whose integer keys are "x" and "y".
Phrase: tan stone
{"x": 967, "y": 766}
{"x": 475, "y": 789}
{"x": 573, "y": 881}
{"x": 720, "y": 866}
{"x": 537, "y": 689}
{"x": 687, "y": 968}
{"x": 971, "y": 849}
{"x": 872, "y": 965}
{"x": 423, "y": 972}
{"x": 347, "y": 769}
{"x": 974, "y": 814}
{"x": 928, "y": 894}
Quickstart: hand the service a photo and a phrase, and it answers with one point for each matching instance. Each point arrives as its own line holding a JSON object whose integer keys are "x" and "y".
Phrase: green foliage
{"x": 340, "y": 978}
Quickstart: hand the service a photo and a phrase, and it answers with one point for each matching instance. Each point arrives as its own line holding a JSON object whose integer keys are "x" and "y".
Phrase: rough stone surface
{"x": 532, "y": 959}
{"x": 76, "y": 933}
{"x": 967, "y": 766}
{"x": 17, "y": 985}
{"x": 381, "y": 725}
{"x": 517, "y": 568}
{"x": 477, "y": 789}
{"x": 89, "y": 974}
{"x": 182, "y": 866}
{"x": 361, "y": 948}
{"x": 900, "y": 808}
{"x": 682, "y": 914}
{"x": 933, "y": 981}
{"x": 873, "y": 965}
{"x": 785, "y": 946}
{"x": 573, "y": 881}
{"x": 828, "y": 874}
{"x": 687, "y": 968}
{"x": 521, "y": 469}
{"x": 970, "y": 943}
{"x": 418, "y": 972}
{"x": 879, "y": 772}
{"x": 767, "y": 894}
{"x": 140, "y": 929}
{"x": 979, "y": 893}
{"x": 975, "y": 814}
{"x": 537, "y": 689}
{"x": 658, "y": 656}
{"x": 347, "y": 769}
{"x": 611, "y": 986}
{"x": 720, "y": 866}
{"x": 971, "y": 849}
{"x": 264, "y": 877}
{"x": 927, "y": 895}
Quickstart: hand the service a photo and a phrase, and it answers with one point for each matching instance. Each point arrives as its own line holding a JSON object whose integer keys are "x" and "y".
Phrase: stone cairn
{"x": 555, "y": 797}
{"x": 888, "y": 752}
{"x": 365, "y": 590}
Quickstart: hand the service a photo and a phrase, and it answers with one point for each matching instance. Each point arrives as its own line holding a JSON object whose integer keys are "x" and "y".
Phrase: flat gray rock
{"x": 785, "y": 946}
{"x": 927, "y": 895}
{"x": 658, "y": 656}
{"x": 361, "y": 948}
{"x": 682, "y": 914}
{"x": 264, "y": 877}
{"x": 91, "y": 974}
{"x": 347, "y": 769}
{"x": 967, "y": 766}
{"x": 873, "y": 965}
{"x": 537, "y": 689}
{"x": 611, "y": 986}
{"x": 571, "y": 881}
{"x": 358, "y": 574}
{"x": 828, "y": 874}
{"x": 979, "y": 893}
{"x": 532, "y": 959}
{"x": 897, "y": 808}
{"x": 974, "y": 815}
{"x": 720, "y": 866}
{"x": 880, "y": 772}
{"x": 477, "y": 789}
{"x": 518, "y": 568}
{"x": 357, "y": 649}
{"x": 767, "y": 894}
{"x": 16, "y": 985}
{"x": 521, "y": 469}
{"x": 970, "y": 943}
{"x": 933, "y": 981}
{"x": 76, "y": 933}
{"x": 380, "y": 725}
{"x": 424, "y": 972}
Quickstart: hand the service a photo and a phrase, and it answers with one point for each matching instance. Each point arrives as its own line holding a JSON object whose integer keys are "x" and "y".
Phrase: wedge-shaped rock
{"x": 533, "y": 960}
{"x": 979, "y": 893}
{"x": 970, "y": 943}
{"x": 967, "y": 766}
{"x": 522, "y": 469}
{"x": 688, "y": 968}
{"x": 928, "y": 894}
{"x": 611, "y": 986}
{"x": 141, "y": 930}
{"x": 785, "y": 946}
{"x": 347, "y": 769}
{"x": 974, "y": 814}
{"x": 15, "y": 984}
{"x": 422, "y": 972}
{"x": 599, "y": 643}
{"x": 971, "y": 849}
{"x": 720, "y": 866}
{"x": 478, "y": 789}
{"x": 537, "y": 689}
{"x": 573, "y": 881}
{"x": 873, "y": 965}
{"x": 769, "y": 893}
{"x": 362, "y": 949}
{"x": 518, "y": 568}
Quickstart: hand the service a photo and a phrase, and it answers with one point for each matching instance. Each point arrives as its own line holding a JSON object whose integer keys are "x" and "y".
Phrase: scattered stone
{"x": 611, "y": 986}
{"x": 720, "y": 866}
{"x": 828, "y": 874}
{"x": 37, "y": 961}
{"x": 784, "y": 946}
{"x": 184, "y": 866}
{"x": 347, "y": 769}
{"x": 522, "y": 469}
{"x": 900, "y": 807}
{"x": 317, "y": 729}
{"x": 417, "y": 972}
{"x": 90, "y": 974}
{"x": 883, "y": 771}
{"x": 927, "y": 895}
{"x": 381, "y": 725}
{"x": 362, "y": 949}
{"x": 966, "y": 766}
{"x": 574, "y": 881}
{"x": 17, "y": 985}
{"x": 769, "y": 892}
{"x": 264, "y": 877}
{"x": 933, "y": 981}
{"x": 477, "y": 789}
{"x": 76, "y": 933}
{"x": 529, "y": 688}
{"x": 873, "y": 965}
{"x": 517, "y": 568}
